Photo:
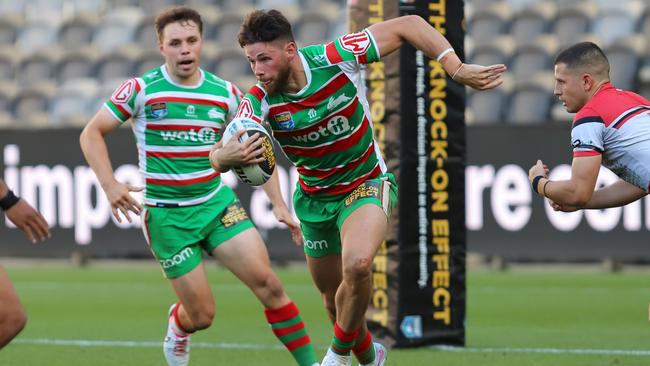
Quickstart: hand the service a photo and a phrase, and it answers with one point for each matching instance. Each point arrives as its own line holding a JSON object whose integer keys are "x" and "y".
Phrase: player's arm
{"x": 280, "y": 209}
{"x": 617, "y": 194}
{"x": 95, "y": 151}
{"x": 23, "y": 215}
{"x": 577, "y": 191}
{"x": 414, "y": 30}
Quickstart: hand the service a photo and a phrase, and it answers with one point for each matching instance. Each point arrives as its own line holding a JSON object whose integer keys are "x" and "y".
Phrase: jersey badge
{"x": 284, "y": 121}
{"x": 159, "y": 110}
{"x": 335, "y": 102}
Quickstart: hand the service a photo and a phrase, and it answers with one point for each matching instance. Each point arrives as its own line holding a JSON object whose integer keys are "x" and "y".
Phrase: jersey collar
{"x": 169, "y": 79}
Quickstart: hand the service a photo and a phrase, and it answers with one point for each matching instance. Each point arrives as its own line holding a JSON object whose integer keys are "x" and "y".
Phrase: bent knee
{"x": 358, "y": 268}
{"x": 202, "y": 318}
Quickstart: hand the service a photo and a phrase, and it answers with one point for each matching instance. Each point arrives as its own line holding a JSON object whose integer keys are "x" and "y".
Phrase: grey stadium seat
{"x": 77, "y": 32}
{"x": 120, "y": 64}
{"x": 70, "y": 104}
{"x": 312, "y": 28}
{"x": 79, "y": 64}
{"x": 530, "y": 101}
{"x": 487, "y": 107}
{"x": 231, "y": 64}
{"x": 530, "y": 23}
{"x": 37, "y": 34}
{"x": 486, "y": 24}
{"x": 37, "y": 67}
{"x": 573, "y": 23}
{"x": 30, "y": 105}
{"x": 531, "y": 59}
{"x": 9, "y": 30}
{"x": 625, "y": 61}
{"x": 613, "y": 24}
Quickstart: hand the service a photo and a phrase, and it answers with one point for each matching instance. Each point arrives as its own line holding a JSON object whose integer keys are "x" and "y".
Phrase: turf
{"x": 518, "y": 317}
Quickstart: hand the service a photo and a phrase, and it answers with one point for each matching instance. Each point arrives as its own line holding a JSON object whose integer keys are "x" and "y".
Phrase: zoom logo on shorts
{"x": 177, "y": 259}
{"x": 316, "y": 244}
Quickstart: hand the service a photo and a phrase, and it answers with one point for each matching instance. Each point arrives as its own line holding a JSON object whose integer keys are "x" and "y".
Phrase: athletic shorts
{"x": 177, "y": 236}
{"x": 321, "y": 220}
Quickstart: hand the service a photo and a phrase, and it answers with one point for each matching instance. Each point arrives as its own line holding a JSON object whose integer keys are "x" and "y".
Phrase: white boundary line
{"x": 245, "y": 346}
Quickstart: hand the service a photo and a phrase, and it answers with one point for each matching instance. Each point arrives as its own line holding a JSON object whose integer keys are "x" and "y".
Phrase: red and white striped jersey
{"x": 616, "y": 124}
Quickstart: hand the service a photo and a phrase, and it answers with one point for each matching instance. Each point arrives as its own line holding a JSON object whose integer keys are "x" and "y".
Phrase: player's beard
{"x": 280, "y": 82}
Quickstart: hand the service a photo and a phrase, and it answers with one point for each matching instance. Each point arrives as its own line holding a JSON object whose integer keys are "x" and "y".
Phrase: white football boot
{"x": 334, "y": 359}
{"x": 380, "y": 355}
{"x": 175, "y": 347}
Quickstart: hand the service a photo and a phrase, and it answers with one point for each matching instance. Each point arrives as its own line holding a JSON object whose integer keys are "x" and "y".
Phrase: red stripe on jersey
{"x": 177, "y": 154}
{"x": 124, "y": 112}
{"x": 183, "y": 182}
{"x": 347, "y": 113}
{"x": 332, "y": 53}
{"x": 288, "y": 330}
{"x": 578, "y": 154}
{"x": 362, "y": 59}
{"x": 326, "y": 91}
{"x": 137, "y": 86}
{"x": 257, "y": 92}
{"x": 165, "y": 127}
{"x": 340, "y": 145}
{"x": 208, "y": 102}
{"x": 297, "y": 343}
{"x": 341, "y": 188}
{"x": 322, "y": 174}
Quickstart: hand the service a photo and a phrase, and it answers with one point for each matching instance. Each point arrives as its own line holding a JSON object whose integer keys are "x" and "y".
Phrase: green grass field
{"x": 115, "y": 315}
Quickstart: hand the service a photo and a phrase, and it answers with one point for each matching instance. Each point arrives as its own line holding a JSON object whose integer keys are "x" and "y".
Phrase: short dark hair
{"x": 264, "y": 26}
{"x": 180, "y": 14}
{"x": 584, "y": 55}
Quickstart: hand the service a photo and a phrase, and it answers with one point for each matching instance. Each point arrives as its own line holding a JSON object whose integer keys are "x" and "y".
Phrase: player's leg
{"x": 12, "y": 315}
{"x": 172, "y": 234}
{"x": 245, "y": 255}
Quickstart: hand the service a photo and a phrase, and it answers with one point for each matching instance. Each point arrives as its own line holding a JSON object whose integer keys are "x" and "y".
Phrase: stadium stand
{"x": 48, "y": 44}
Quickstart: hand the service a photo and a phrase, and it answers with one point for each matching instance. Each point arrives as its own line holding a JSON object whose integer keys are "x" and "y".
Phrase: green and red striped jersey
{"x": 175, "y": 126}
{"x": 325, "y": 128}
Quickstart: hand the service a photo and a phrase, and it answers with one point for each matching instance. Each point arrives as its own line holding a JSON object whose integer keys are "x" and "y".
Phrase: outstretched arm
{"x": 414, "y": 30}
{"x": 94, "y": 148}
{"x": 617, "y": 194}
{"x": 24, "y": 216}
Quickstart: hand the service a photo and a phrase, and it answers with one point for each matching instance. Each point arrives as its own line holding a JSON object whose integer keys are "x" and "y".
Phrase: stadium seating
{"x": 49, "y": 45}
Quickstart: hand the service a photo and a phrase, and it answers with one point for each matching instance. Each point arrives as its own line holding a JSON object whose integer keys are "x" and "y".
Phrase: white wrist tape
{"x": 444, "y": 53}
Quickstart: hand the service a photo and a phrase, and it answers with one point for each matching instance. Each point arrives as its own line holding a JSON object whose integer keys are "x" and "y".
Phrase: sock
{"x": 290, "y": 330}
{"x": 175, "y": 323}
{"x": 365, "y": 350}
{"x": 343, "y": 342}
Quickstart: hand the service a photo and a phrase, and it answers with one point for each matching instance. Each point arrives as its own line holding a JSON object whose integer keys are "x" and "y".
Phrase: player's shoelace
{"x": 180, "y": 346}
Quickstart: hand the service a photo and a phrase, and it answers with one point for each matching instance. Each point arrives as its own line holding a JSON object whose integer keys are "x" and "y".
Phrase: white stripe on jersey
{"x": 192, "y": 202}
{"x": 158, "y": 148}
{"x": 188, "y": 122}
{"x": 183, "y": 176}
{"x": 188, "y": 95}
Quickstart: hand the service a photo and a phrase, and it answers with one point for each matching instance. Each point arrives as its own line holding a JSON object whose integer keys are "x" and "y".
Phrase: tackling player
{"x": 32, "y": 223}
{"x": 611, "y": 127}
{"x": 314, "y": 99}
{"x": 178, "y": 112}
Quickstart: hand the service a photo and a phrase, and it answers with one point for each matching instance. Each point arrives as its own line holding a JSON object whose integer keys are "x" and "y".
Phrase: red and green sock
{"x": 343, "y": 341}
{"x": 290, "y": 330}
{"x": 364, "y": 350}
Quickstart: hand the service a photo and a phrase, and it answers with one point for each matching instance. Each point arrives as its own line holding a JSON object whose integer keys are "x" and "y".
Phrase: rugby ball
{"x": 252, "y": 174}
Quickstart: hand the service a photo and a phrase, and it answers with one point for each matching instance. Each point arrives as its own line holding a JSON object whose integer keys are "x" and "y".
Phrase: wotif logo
{"x": 316, "y": 244}
{"x": 337, "y": 125}
{"x": 177, "y": 259}
{"x": 206, "y": 134}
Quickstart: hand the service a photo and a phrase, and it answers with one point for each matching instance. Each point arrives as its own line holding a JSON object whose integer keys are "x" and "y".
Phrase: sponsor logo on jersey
{"x": 215, "y": 114}
{"x": 284, "y": 120}
{"x": 576, "y": 143}
{"x": 357, "y": 43}
{"x": 204, "y": 135}
{"x": 190, "y": 111}
{"x": 159, "y": 110}
{"x": 337, "y": 125}
{"x": 334, "y": 102}
{"x": 365, "y": 190}
{"x": 177, "y": 259}
{"x": 316, "y": 244}
{"x": 312, "y": 113}
{"x": 319, "y": 59}
{"x": 124, "y": 92}
{"x": 235, "y": 214}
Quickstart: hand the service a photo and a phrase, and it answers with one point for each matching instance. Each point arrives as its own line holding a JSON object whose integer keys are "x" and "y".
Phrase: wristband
{"x": 8, "y": 201}
{"x": 444, "y": 53}
{"x": 536, "y": 182}
{"x": 544, "y": 189}
{"x": 453, "y": 76}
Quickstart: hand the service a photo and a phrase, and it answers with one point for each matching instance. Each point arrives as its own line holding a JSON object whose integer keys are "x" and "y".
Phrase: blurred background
{"x": 61, "y": 59}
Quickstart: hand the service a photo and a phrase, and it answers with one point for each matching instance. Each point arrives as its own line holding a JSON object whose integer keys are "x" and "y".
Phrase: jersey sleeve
{"x": 359, "y": 48}
{"x": 587, "y": 134}
{"x": 122, "y": 103}
{"x": 235, "y": 97}
{"x": 254, "y": 105}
